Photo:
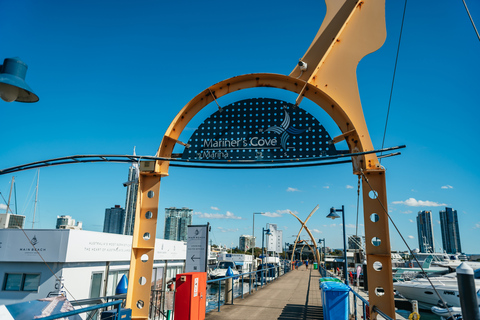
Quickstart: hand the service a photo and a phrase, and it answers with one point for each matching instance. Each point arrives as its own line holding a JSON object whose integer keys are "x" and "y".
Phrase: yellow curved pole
{"x": 300, "y": 231}
{"x": 309, "y": 233}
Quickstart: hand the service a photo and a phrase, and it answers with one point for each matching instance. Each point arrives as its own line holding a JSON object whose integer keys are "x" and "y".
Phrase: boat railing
{"x": 256, "y": 279}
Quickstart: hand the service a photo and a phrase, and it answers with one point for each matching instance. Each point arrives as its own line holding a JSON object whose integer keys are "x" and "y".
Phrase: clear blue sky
{"x": 112, "y": 75}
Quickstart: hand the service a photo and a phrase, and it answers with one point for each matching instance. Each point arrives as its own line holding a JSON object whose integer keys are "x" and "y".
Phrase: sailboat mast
{"x": 36, "y": 198}
{"x": 10, "y": 194}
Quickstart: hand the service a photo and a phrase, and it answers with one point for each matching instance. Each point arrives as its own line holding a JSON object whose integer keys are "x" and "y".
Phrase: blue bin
{"x": 335, "y": 300}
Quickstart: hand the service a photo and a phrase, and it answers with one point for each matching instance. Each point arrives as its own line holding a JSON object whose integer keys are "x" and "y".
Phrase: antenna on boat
{"x": 10, "y": 195}
{"x": 36, "y": 198}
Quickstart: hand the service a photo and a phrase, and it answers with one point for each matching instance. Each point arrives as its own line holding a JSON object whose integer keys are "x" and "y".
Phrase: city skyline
{"x": 107, "y": 86}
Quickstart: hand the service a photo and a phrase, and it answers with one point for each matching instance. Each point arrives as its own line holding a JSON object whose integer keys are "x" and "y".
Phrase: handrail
{"x": 78, "y": 311}
{"x": 365, "y": 302}
{"x": 264, "y": 279}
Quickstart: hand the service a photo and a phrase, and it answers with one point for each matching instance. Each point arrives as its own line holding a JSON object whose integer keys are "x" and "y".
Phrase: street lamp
{"x": 253, "y": 235}
{"x": 324, "y": 256}
{"x": 264, "y": 232}
{"x": 333, "y": 215}
{"x": 12, "y": 82}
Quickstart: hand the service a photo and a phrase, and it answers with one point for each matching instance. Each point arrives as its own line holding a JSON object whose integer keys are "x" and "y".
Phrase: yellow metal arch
{"x": 351, "y": 29}
{"x": 304, "y": 226}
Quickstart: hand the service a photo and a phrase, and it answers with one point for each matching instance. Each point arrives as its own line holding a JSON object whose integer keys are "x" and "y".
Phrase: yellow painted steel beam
{"x": 143, "y": 245}
{"x": 377, "y": 243}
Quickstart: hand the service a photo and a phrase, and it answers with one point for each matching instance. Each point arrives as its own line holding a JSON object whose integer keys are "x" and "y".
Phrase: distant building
{"x": 131, "y": 199}
{"x": 450, "y": 231}
{"x": 10, "y": 221}
{"x": 246, "y": 242}
{"x": 66, "y": 222}
{"x": 425, "y": 231}
{"x": 114, "y": 220}
{"x": 176, "y": 222}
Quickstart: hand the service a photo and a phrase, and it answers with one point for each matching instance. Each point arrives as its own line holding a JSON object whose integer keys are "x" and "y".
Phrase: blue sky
{"x": 112, "y": 75}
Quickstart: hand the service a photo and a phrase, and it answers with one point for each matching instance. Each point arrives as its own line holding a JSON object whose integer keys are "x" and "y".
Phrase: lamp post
{"x": 333, "y": 215}
{"x": 324, "y": 256}
{"x": 264, "y": 232}
{"x": 253, "y": 235}
{"x": 12, "y": 82}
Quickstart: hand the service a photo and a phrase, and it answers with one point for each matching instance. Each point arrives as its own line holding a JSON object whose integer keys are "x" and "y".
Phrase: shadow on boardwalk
{"x": 296, "y": 311}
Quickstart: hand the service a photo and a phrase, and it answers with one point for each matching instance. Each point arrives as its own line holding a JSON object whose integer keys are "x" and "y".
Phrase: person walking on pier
{"x": 306, "y": 264}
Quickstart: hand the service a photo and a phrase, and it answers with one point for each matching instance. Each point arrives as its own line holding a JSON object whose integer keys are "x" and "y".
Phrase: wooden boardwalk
{"x": 293, "y": 296}
{"x": 296, "y": 295}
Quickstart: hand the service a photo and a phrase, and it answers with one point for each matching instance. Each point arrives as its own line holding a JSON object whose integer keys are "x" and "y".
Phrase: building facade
{"x": 131, "y": 200}
{"x": 246, "y": 242}
{"x": 10, "y": 221}
{"x": 114, "y": 220}
{"x": 77, "y": 260}
{"x": 426, "y": 242}
{"x": 450, "y": 231}
{"x": 66, "y": 222}
{"x": 176, "y": 223}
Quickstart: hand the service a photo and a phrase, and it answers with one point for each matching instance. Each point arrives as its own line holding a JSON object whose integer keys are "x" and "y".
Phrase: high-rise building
{"x": 176, "y": 223}
{"x": 131, "y": 199}
{"x": 425, "y": 231}
{"x": 66, "y": 222}
{"x": 114, "y": 220}
{"x": 10, "y": 221}
{"x": 450, "y": 231}
{"x": 246, "y": 242}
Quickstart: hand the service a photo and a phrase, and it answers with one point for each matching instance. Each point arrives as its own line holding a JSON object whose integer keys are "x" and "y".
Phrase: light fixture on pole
{"x": 324, "y": 255}
{"x": 12, "y": 82}
{"x": 264, "y": 232}
{"x": 333, "y": 215}
{"x": 253, "y": 235}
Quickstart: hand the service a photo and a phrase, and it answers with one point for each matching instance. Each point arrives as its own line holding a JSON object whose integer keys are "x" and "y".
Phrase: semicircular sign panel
{"x": 259, "y": 129}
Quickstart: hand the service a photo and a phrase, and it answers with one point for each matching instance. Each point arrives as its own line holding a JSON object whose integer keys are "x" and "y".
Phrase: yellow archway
{"x": 326, "y": 76}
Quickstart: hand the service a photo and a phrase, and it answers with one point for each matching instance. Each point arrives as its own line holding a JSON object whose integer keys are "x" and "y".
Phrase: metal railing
{"x": 256, "y": 279}
{"x": 365, "y": 304}
{"x": 116, "y": 303}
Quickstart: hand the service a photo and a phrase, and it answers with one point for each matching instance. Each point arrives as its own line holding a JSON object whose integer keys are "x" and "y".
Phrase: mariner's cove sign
{"x": 259, "y": 129}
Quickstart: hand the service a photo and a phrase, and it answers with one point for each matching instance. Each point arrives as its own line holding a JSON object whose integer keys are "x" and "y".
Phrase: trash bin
{"x": 327, "y": 279}
{"x": 315, "y": 266}
{"x": 335, "y": 300}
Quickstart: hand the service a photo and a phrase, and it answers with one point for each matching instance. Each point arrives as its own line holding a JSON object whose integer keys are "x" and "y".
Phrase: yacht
{"x": 221, "y": 270}
{"x": 421, "y": 290}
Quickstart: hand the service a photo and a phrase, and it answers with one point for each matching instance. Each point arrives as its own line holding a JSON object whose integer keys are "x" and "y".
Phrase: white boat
{"x": 221, "y": 270}
{"x": 445, "y": 313}
{"x": 422, "y": 291}
{"x": 405, "y": 274}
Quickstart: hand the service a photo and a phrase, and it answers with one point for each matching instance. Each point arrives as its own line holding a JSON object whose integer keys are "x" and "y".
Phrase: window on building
{"x": 114, "y": 278}
{"x": 21, "y": 282}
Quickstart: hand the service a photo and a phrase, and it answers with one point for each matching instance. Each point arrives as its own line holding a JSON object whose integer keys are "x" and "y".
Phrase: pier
{"x": 296, "y": 295}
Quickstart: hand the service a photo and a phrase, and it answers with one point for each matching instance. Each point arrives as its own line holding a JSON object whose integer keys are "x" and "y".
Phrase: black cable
{"x": 471, "y": 19}
{"x": 394, "y": 72}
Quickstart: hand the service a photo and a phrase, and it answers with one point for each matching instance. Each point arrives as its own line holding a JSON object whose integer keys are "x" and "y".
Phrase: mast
{"x": 36, "y": 198}
{"x": 10, "y": 194}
